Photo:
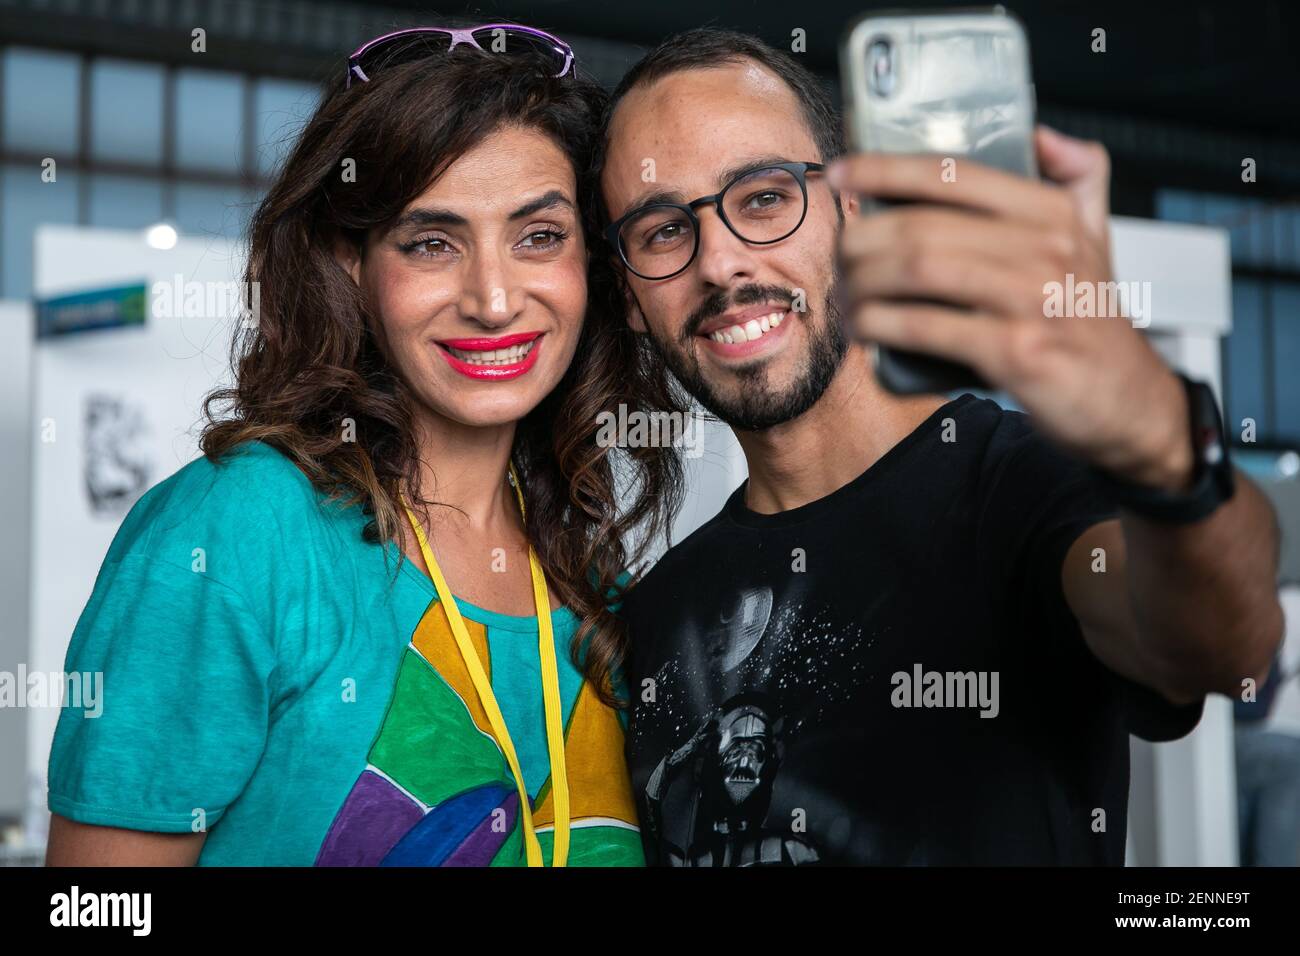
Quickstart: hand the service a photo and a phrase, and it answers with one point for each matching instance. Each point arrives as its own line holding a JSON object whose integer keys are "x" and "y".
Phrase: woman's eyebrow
{"x": 430, "y": 217}
{"x": 548, "y": 200}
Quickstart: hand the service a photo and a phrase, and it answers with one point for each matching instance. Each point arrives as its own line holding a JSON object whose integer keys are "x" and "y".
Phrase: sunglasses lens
{"x": 511, "y": 41}
{"x": 402, "y": 49}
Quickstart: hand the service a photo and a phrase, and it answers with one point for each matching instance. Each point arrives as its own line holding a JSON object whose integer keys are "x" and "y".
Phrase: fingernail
{"x": 835, "y": 174}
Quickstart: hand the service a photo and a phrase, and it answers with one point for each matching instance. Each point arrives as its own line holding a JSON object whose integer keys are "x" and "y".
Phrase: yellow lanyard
{"x": 550, "y": 693}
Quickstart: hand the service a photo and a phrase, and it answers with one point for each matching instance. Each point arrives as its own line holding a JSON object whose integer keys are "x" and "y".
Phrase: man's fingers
{"x": 1082, "y": 168}
{"x": 948, "y": 231}
{"x": 971, "y": 338}
{"x": 953, "y": 180}
{"x": 967, "y": 279}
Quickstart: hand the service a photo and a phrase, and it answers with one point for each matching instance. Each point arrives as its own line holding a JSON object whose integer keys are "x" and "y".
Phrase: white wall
{"x": 16, "y": 335}
{"x": 1285, "y": 716}
{"x": 162, "y": 371}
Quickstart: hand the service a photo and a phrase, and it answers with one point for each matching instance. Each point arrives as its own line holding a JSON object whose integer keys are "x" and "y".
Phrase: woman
{"x": 281, "y": 685}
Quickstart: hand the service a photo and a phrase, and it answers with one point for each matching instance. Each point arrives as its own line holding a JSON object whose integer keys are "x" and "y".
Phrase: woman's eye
{"x": 542, "y": 239}
{"x": 430, "y": 247}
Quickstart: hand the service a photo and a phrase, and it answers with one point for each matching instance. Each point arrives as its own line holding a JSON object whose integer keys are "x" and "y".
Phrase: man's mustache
{"x": 717, "y": 303}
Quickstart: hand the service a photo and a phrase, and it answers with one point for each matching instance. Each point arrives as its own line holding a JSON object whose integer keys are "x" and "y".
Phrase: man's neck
{"x": 848, "y": 430}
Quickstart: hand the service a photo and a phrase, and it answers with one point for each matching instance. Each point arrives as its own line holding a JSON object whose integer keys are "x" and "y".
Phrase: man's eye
{"x": 765, "y": 200}
{"x": 666, "y": 233}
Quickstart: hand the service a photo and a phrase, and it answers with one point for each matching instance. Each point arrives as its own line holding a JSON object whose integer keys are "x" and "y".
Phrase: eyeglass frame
{"x": 799, "y": 171}
{"x": 458, "y": 36}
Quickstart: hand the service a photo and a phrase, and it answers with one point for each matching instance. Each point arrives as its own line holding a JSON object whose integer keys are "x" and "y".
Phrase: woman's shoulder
{"x": 238, "y": 502}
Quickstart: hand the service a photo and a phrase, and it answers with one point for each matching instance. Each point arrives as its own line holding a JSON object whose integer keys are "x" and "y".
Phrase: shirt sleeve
{"x": 1038, "y": 504}
{"x": 181, "y": 719}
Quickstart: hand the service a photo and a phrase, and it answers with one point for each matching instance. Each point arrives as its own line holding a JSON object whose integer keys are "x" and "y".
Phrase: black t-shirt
{"x": 889, "y": 674}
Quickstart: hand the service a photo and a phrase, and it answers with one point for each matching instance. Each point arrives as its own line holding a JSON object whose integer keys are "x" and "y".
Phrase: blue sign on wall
{"x": 112, "y": 308}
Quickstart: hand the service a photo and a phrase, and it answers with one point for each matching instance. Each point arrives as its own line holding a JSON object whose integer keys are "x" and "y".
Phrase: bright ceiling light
{"x": 1288, "y": 464}
{"x": 161, "y": 236}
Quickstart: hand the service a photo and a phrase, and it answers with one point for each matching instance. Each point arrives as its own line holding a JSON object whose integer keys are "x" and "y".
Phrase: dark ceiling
{"x": 1227, "y": 65}
{"x": 1184, "y": 92}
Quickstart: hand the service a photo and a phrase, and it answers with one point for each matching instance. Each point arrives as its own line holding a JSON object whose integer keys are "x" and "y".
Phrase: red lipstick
{"x": 492, "y": 372}
{"x": 484, "y": 344}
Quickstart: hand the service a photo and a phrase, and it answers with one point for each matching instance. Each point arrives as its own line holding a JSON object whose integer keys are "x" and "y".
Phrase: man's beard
{"x": 757, "y": 405}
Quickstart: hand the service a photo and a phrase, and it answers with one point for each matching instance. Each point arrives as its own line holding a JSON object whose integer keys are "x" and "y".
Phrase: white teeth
{"x": 507, "y": 356}
{"x": 748, "y": 332}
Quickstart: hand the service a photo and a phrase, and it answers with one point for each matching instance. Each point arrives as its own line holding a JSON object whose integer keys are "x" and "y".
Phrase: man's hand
{"x": 987, "y": 244}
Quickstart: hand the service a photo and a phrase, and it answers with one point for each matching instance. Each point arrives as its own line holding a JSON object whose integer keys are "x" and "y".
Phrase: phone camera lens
{"x": 880, "y": 67}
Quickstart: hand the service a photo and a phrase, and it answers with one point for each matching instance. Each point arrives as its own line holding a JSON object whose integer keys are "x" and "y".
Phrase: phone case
{"x": 952, "y": 84}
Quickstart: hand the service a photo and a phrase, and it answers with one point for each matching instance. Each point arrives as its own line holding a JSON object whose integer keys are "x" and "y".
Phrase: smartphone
{"x": 953, "y": 84}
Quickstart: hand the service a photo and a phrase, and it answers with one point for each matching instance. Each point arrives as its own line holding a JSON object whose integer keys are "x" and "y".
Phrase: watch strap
{"x": 1212, "y": 477}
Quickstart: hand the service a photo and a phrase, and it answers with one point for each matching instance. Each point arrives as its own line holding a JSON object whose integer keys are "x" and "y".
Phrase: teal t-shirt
{"x": 273, "y": 678}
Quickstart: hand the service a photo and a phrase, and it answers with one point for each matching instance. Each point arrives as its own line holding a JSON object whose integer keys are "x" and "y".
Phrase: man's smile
{"x": 746, "y": 333}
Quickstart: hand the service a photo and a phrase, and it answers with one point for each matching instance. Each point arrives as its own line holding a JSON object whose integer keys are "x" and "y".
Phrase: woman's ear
{"x": 348, "y": 255}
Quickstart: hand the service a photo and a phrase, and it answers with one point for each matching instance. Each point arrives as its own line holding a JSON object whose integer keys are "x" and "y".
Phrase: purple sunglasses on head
{"x": 535, "y": 40}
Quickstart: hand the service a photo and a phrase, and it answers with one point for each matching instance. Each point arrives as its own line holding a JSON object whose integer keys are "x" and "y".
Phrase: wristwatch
{"x": 1212, "y": 480}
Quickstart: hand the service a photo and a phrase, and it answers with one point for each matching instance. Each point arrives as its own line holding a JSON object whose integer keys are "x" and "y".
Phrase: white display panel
{"x": 1185, "y": 814}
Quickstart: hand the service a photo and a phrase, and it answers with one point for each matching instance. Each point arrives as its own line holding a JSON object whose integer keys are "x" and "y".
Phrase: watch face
{"x": 1212, "y": 447}
{"x": 1217, "y": 484}
{"x": 1207, "y": 425}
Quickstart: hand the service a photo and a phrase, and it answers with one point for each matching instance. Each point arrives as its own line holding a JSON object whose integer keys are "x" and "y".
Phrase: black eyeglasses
{"x": 762, "y": 206}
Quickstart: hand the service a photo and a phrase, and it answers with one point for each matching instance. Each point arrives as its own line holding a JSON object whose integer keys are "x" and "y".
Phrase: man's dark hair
{"x": 708, "y": 47}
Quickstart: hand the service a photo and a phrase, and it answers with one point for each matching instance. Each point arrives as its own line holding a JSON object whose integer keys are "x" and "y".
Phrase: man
{"x": 918, "y": 633}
